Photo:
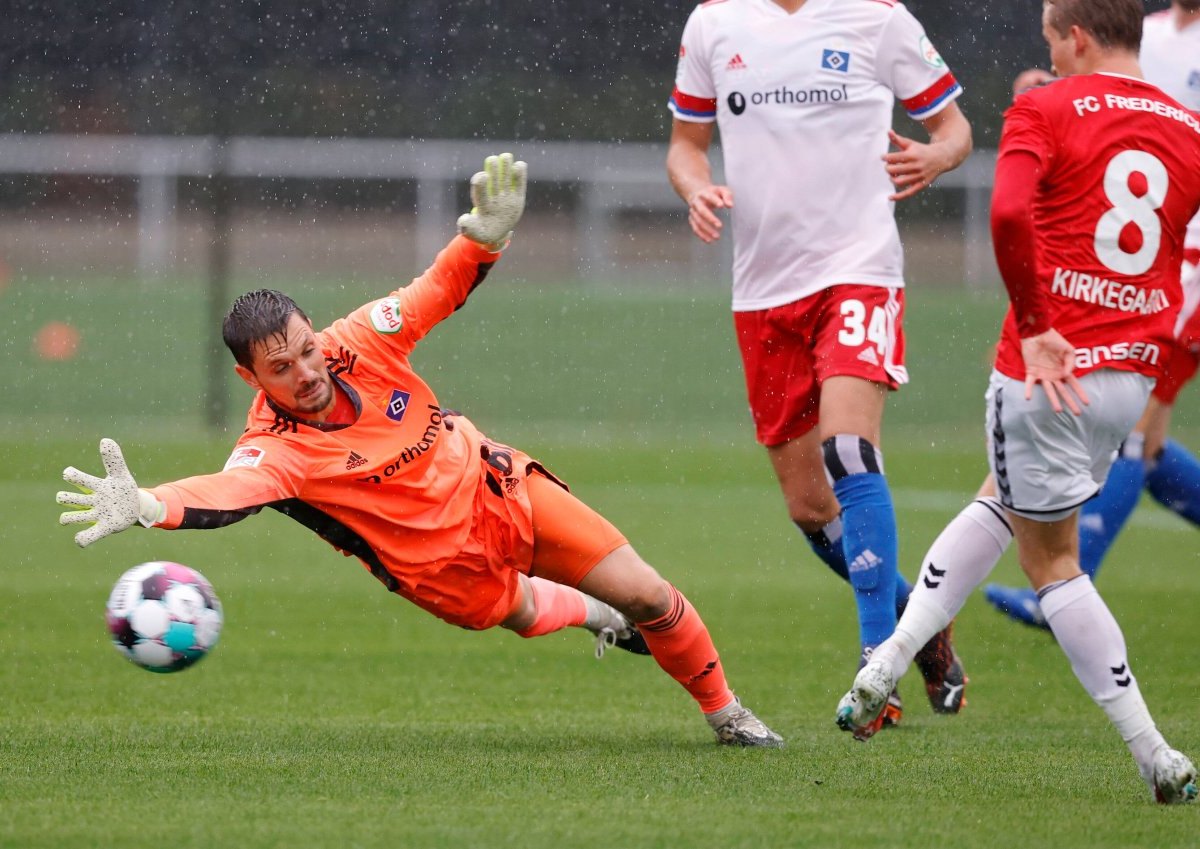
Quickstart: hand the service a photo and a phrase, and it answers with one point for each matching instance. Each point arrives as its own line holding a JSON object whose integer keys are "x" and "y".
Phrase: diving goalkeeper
{"x": 346, "y": 439}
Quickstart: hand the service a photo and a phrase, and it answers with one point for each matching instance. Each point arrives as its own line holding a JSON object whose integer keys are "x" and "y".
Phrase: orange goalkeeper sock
{"x": 556, "y": 606}
{"x": 682, "y": 646}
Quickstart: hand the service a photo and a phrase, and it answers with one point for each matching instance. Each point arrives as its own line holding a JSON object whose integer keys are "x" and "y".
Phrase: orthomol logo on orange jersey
{"x": 412, "y": 452}
{"x": 385, "y": 316}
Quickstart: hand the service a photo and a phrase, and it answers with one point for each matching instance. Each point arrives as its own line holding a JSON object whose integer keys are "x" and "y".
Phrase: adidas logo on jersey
{"x": 355, "y": 460}
{"x": 868, "y": 355}
{"x": 736, "y": 63}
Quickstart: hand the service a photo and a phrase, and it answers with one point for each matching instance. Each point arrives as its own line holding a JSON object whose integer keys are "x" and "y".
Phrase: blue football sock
{"x": 869, "y": 532}
{"x": 1102, "y": 518}
{"x": 827, "y": 545}
{"x": 1174, "y": 481}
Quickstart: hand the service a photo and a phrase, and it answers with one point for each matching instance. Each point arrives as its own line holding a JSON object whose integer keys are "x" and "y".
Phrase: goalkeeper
{"x": 346, "y": 439}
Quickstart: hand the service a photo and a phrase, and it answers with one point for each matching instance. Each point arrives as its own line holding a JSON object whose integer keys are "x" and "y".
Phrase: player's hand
{"x": 914, "y": 166}
{"x": 112, "y": 503}
{"x": 1031, "y": 78}
{"x": 1050, "y": 361}
{"x": 498, "y": 199}
{"x": 701, "y": 211}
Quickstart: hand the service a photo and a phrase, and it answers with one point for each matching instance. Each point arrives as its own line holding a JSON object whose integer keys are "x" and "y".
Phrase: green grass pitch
{"x": 333, "y": 714}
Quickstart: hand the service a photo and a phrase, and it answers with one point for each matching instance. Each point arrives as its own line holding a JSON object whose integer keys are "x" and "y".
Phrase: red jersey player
{"x": 1148, "y": 459}
{"x": 345, "y": 438}
{"x": 1097, "y": 177}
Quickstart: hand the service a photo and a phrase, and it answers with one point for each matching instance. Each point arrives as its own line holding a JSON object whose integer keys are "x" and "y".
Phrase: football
{"x": 163, "y": 616}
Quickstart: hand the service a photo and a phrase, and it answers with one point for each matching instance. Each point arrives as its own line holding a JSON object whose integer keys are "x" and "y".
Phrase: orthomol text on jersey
{"x": 412, "y": 452}
{"x": 784, "y": 96}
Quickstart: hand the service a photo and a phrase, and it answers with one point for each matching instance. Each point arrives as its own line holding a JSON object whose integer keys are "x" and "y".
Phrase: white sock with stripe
{"x": 1093, "y": 642}
{"x": 959, "y": 560}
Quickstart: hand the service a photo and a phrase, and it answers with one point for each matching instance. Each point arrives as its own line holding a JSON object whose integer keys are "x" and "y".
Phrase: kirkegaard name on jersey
{"x": 1107, "y": 293}
{"x": 248, "y": 455}
{"x": 385, "y": 316}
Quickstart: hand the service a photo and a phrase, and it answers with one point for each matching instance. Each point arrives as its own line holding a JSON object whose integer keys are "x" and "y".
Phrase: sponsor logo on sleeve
{"x": 835, "y": 60}
{"x": 397, "y": 405}
{"x": 929, "y": 53}
{"x": 385, "y": 316}
{"x": 248, "y": 455}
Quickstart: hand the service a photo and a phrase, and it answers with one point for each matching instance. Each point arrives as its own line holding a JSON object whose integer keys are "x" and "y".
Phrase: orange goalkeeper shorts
{"x": 526, "y": 521}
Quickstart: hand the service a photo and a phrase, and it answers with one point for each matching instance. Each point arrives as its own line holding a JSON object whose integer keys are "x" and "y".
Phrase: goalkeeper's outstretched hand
{"x": 112, "y": 503}
{"x": 498, "y": 199}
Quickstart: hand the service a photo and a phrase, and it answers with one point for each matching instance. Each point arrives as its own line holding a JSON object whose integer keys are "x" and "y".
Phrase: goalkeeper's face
{"x": 290, "y": 368}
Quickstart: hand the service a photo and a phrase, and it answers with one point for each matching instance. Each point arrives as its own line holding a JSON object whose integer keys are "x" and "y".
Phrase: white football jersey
{"x": 1171, "y": 60}
{"x": 804, "y": 103}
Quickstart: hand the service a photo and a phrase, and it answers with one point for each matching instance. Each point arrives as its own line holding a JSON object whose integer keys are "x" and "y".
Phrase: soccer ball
{"x": 163, "y": 616}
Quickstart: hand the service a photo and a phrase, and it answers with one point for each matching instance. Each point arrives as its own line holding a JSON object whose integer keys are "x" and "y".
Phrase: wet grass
{"x": 333, "y": 714}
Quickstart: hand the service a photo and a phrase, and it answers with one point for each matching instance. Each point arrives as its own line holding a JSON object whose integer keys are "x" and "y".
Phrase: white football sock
{"x": 1092, "y": 641}
{"x": 958, "y": 561}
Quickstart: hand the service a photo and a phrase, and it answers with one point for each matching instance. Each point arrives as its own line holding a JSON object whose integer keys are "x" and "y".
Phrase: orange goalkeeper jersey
{"x": 396, "y": 487}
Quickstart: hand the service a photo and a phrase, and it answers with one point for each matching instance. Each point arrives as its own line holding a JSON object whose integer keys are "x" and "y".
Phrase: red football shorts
{"x": 788, "y": 351}
{"x": 526, "y": 521}
{"x": 1183, "y": 358}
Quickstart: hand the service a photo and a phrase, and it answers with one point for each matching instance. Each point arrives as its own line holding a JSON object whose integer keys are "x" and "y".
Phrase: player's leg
{"x": 1145, "y": 459}
{"x": 799, "y": 466}
{"x": 1101, "y": 520}
{"x": 543, "y": 607}
{"x": 1173, "y": 480}
{"x": 959, "y": 560}
{"x": 780, "y": 372}
{"x": 1077, "y": 452}
{"x": 851, "y": 412}
{"x": 1173, "y": 473}
{"x": 574, "y": 546}
{"x": 1092, "y": 640}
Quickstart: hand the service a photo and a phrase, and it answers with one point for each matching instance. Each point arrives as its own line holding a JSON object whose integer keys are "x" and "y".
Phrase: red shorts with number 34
{"x": 788, "y": 351}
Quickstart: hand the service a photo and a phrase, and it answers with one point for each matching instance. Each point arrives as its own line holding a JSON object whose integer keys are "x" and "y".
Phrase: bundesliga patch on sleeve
{"x": 385, "y": 316}
{"x": 247, "y": 455}
{"x": 930, "y": 55}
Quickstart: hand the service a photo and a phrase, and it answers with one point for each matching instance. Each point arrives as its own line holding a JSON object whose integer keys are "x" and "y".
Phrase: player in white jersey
{"x": 1097, "y": 176}
{"x": 803, "y": 92}
{"x": 1148, "y": 459}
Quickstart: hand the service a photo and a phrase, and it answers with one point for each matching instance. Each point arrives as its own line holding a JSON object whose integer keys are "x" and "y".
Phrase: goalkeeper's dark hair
{"x": 1115, "y": 24}
{"x": 253, "y": 319}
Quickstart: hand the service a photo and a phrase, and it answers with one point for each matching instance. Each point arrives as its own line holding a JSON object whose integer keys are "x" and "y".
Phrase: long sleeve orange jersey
{"x": 396, "y": 487}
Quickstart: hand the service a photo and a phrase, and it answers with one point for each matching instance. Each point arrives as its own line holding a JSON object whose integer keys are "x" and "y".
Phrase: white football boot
{"x": 858, "y": 711}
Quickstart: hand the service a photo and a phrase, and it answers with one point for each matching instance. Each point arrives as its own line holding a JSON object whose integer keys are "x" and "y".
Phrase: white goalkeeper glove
{"x": 498, "y": 198}
{"x": 113, "y": 503}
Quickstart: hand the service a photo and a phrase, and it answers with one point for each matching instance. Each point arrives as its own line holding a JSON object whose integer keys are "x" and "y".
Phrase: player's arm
{"x": 914, "y": 165}
{"x": 409, "y": 313}
{"x": 1031, "y": 78}
{"x": 1049, "y": 358}
{"x": 690, "y": 172}
{"x": 114, "y": 502}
